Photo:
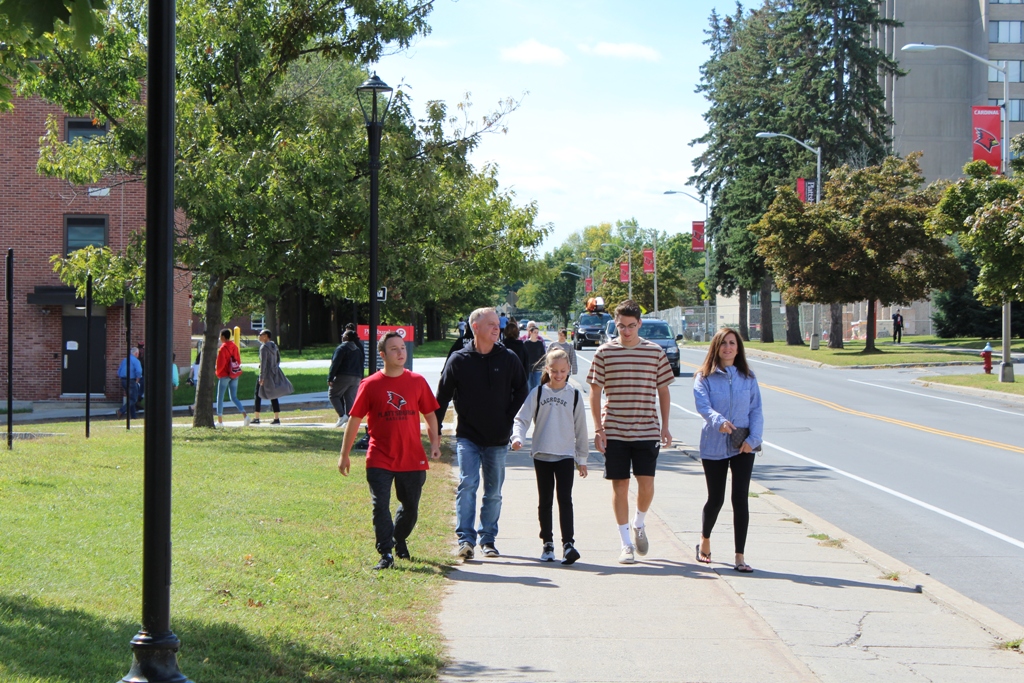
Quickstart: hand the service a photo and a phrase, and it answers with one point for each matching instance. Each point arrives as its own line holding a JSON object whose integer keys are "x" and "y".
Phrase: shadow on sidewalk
{"x": 819, "y": 581}
{"x": 478, "y": 670}
{"x": 641, "y": 568}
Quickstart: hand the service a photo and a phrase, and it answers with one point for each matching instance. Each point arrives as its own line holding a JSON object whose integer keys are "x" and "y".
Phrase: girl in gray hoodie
{"x": 559, "y": 446}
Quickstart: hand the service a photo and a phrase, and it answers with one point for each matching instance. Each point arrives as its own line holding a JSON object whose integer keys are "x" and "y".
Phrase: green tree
{"x": 866, "y": 240}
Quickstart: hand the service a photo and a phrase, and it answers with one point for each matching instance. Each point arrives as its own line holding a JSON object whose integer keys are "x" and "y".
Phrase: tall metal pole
{"x": 10, "y": 349}
{"x": 707, "y": 273}
{"x": 88, "y": 351}
{"x": 629, "y": 262}
{"x": 1006, "y": 366}
{"x": 374, "y": 129}
{"x": 655, "y": 252}
{"x": 155, "y": 647}
{"x": 127, "y": 362}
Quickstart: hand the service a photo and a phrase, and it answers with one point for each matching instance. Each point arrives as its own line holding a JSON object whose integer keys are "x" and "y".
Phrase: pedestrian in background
{"x": 558, "y": 447}
{"x": 462, "y": 328}
{"x": 897, "y": 327}
{"x": 193, "y": 379}
{"x": 346, "y": 372}
{"x": 729, "y": 399}
{"x": 512, "y": 342}
{"x": 175, "y": 377}
{"x": 535, "y": 350}
{"x": 130, "y": 374}
{"x": 229, "y": 369}
{"x": 271, "y": 384}
{"x": 566, "y": 345}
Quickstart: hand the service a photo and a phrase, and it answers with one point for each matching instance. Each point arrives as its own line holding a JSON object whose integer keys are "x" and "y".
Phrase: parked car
{"x": 659, "y": 332}
{"x": 609, "y": 332}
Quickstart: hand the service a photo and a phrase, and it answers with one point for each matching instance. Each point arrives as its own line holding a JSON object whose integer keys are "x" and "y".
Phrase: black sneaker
{"x": 465, "y": 551}
{"x": 548, "y": 554}
{"x": 362, "y": 444}
{"x": 275, "y": 421}
{"x": 386, "y": 562}
{"x": 402, "y": 550}
{"x": 569, "y": 553}
{"x": 254, "y": 421}
{"x": 489, "y": 550}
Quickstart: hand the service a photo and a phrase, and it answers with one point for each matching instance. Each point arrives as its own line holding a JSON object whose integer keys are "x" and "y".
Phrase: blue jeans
{"x": 473, "y": 458}
{"x": 232, "y": 386}
{"x": 131, "y": 392}
{"x": 532, "y": 380}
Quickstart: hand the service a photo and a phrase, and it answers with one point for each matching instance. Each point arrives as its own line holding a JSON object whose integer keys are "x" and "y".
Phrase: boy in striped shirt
{"x": 634, "y": 374}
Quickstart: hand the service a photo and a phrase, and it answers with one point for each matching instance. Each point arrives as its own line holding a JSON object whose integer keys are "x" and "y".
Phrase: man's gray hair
{"x": 479, "y": 313}
{"x": 135, "y": 352}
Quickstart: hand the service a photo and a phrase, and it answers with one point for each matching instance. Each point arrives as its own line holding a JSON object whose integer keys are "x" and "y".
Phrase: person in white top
{"x": 559, "y": 443}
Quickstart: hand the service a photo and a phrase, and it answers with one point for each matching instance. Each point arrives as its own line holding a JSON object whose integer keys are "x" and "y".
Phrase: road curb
{"x": 971, "y": 391}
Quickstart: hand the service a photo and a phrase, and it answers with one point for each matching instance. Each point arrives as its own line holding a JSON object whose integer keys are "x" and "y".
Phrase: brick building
{"x": 40, "y": 217}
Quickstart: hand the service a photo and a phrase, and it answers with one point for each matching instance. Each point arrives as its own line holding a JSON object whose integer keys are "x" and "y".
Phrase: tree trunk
{"x": 206, "y": 389}
{"x": 767, "y": 333}
{"x": 434, "y": 331}
{"x": 869, "y": 343}
{"x": 793, "y": 335}
{"x": 270, "y": 316}
{"x": 334, "y": 333}
{"x": 744, "y": 327}
{"x": 835, "y": 331}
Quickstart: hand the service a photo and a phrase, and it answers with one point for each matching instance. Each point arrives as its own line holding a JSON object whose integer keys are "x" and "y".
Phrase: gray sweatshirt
{"x": 560, "y": 431}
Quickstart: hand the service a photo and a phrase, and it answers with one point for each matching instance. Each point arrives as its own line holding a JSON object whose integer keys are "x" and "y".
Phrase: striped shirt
{"x": 631, "y": 378}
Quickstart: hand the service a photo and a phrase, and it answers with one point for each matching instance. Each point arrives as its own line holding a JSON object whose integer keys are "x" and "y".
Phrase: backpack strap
{"x": 536, "y": 411}
{"x": 575, "y": 401}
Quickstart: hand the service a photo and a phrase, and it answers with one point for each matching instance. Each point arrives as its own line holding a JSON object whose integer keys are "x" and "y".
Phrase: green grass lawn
{"x": 982, "y": 381}
{"x": 273, "y": 552}
{"x": 886, "y": 353}
{"x": 1016, "y": 345}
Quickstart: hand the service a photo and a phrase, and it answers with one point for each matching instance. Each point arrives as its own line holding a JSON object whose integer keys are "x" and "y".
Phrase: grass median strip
{"x": 273, "y": 552}
{"x": 852, "y": 353}
{"x": 980, "y": 381}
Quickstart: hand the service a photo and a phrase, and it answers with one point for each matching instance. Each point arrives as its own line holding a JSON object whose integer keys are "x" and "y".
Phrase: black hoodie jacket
{"x": 488, "y": 391}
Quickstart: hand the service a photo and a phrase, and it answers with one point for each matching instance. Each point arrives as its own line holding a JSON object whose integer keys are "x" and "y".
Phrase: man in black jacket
{"x": 345, "y": 375}
{"x": 488, "y": 384}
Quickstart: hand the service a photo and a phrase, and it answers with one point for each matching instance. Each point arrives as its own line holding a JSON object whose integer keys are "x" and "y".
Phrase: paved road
{"x": 933, "y": 479}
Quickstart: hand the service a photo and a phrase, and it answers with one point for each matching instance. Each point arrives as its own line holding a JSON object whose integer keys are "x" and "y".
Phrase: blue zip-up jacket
{"x": 727, "y": 395}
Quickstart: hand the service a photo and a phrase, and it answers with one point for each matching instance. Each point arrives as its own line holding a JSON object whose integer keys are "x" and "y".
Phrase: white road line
{"x": 754, "y": 360}
{"x": 937, "y": 398}
{"x": 885, "y": 489}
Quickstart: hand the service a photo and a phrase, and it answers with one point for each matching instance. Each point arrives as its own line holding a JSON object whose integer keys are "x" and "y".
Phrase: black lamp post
{"x": 88, "y": 352}
{"x": 368, "y": 94}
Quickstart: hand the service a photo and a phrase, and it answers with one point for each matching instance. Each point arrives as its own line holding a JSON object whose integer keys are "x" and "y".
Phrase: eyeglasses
{"x": 630, "y": 327}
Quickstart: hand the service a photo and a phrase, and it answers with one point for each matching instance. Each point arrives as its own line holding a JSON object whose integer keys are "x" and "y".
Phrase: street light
{"x": 1006, "y": 367}
{"x": 707, "y": 271}
{"x": 373, "y": 115}
{"x": 629, "y": 264}
{"x": 816, "y": 315}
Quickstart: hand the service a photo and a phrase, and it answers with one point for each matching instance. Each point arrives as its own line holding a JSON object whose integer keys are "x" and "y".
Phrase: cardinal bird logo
{"x": 395, "y": 401}
{"x": 985, "y": 139}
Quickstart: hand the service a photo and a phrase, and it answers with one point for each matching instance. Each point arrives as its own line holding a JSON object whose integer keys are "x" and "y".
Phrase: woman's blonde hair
{"x": 555, "y": 353}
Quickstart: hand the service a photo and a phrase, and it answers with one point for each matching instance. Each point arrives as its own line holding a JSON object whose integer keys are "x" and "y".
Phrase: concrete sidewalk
{"x": 814, "y": 609}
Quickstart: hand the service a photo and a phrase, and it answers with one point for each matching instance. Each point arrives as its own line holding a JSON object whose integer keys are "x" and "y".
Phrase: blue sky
{"x": 608, "y": 103}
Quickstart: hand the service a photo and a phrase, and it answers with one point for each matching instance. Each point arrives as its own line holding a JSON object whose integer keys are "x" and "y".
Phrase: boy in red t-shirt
{"x": 393, "y": 399}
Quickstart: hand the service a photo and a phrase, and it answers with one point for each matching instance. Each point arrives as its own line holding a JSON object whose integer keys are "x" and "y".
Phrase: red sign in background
{"x": 405, "y": 331}
{"x": 588, "y": 284}
{"x": 698, "y": 236}
{"x": 986, "y": 123}
{"x": 624, "y": 272}
{"x": 648, "y": 260}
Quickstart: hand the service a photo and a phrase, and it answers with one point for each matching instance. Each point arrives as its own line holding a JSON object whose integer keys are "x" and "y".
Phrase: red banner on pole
{"x": 986, "y": 124}
{"x": 624, "y": 271}
{"x": 648, "y": 260}
{"x": 588, "y": 284}
{"x": 406, "y": 331}
{"x": 801, "y": 189}
{"x": 698, "y": 236}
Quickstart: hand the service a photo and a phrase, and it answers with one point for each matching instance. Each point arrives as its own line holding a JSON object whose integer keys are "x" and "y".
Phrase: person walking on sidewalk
{"x": 566, "y": 345}
{"x": 488, "y": 384}
{"x": 634, "y": 374}
{"x": 394, "y": 400}
{"x": 271, "y": 384}
{"x": 346, "y": 372}
{"x": 229, "y": 369}
{"x": 559, "y": 443}
{"x": 897, "y": 327}
{"x": 535, "y": 350}
{"x": 729, "y": 399}
{"x": 510, "y": 338}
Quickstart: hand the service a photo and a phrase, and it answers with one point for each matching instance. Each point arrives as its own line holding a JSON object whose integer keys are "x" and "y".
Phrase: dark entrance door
{"x": 73, "y": 355}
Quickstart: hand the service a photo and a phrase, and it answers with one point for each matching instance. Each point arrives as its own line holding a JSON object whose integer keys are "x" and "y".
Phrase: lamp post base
{"x": 155, "y": 659}
{"x": 1006, "y": 372}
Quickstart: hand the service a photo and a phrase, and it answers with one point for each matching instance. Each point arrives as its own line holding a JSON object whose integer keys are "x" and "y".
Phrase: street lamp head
{"x": 767, "y": 135}
{"x": 917, "y": 47}
{"x": 368, "y": 93}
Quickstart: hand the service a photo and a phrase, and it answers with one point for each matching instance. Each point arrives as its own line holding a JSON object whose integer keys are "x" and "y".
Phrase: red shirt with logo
{"x": 392, "y": 406}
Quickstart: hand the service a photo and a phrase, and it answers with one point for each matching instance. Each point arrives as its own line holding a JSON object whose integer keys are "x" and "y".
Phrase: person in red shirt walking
{"x": 229, "y": 369}
{"x": 393, "y": 400}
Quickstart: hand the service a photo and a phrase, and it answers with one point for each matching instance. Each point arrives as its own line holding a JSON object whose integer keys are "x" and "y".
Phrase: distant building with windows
{"x": 40, "y": 217}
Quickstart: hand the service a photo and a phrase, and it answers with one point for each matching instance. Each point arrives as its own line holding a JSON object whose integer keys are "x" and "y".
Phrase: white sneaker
{"x": 626, "y": 556}
{"x": 549, "y": 553}
{"x": 342, "y": 421}
{"x": 640, "y": 540}
{"x": 246, "y": 420}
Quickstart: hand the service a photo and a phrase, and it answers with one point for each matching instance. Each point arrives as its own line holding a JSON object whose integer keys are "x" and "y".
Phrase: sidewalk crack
{"x": 856, "y": 636}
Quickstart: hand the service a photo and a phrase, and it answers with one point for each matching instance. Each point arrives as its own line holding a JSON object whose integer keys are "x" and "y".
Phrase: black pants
{"x": 552, "y": 476}
{"x": 897, "y": 335}
{"x": 408, "y": 487}
{"x": 258, "y": 401}
{"x": 715, "y": 472}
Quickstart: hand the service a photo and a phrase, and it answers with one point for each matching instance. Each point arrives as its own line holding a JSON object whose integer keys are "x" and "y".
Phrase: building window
{"x": 82, "y": 128}
{"x": 84, "y": 231}
{"x": 1006, "y": 2}
{"x": 1012, "y": 66}
{"x": 1016, "y": 108}
{"x": 1004, "y": 31}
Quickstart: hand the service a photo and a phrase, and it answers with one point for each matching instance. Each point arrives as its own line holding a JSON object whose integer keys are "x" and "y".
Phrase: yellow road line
{"x": 890, "y": 420}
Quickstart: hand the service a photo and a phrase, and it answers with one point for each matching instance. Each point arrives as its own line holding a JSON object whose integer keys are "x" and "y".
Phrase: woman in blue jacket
{"x": 729, "y": 400}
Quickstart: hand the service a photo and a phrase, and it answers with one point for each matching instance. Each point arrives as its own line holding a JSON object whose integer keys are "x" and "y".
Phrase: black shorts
{"x": 619, "y": 455}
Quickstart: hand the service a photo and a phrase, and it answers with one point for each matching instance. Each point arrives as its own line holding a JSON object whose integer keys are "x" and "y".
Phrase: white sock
{"x": 638, "y": 519}
{"x": 624, "y": 535}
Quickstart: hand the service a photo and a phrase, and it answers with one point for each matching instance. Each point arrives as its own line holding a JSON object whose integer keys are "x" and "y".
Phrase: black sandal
{"x": 701, "y": 556}
{"x": 744, "y": 568}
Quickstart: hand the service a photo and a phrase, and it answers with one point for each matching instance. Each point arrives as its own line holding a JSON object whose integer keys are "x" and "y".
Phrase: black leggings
{"x": 715, "y": 472}
{"x": 258, "y": 401}
{"x": 551, "y": 476}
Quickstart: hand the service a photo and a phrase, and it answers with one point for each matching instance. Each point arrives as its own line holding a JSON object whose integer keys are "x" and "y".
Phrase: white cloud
{"x": 534, "y": 52}
{"x": 622, "y": 51}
